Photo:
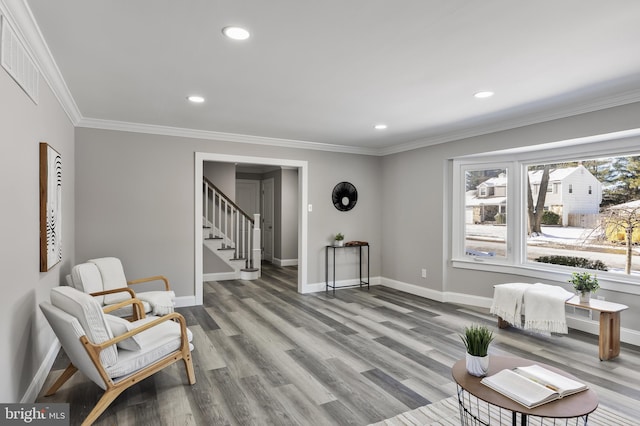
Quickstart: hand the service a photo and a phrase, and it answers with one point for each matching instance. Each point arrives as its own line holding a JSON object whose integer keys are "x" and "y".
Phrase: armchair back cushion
{"x": 113, "y": 277}
{"x": 86, "y": 278}
{"x": 68, "y": 330}
{"x": 88, "y": 312}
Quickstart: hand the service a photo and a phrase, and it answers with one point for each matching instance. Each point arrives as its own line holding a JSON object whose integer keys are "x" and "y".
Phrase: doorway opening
{"x": 302, "y": 171}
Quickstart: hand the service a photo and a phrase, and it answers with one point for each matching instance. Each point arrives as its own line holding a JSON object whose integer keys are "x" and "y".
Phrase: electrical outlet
{"x": 600, "y": 297}
{"x": 424, "y": 273}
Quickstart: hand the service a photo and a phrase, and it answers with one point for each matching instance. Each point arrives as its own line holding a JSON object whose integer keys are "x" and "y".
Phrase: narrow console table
{"x": 326, "y": 266}
{"x": 481, "y": 405}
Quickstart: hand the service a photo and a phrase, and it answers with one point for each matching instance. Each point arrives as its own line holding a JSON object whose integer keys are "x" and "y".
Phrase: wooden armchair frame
{"x": 150, "y": 279}
{"x": 113, "y": 390}
{"x": 138, "y": 307}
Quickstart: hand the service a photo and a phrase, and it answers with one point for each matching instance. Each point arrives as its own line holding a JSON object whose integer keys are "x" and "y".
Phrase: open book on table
{"x": 533, "y": 385}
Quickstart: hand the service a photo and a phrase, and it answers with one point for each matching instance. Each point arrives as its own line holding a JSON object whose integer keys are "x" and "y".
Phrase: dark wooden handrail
{"x": 227, "y": 199}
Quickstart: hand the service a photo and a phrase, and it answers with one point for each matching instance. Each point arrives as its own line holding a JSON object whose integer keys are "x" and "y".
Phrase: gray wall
{"x": 416, "y": 205}
{"x": 135, "y": 201}
{"x": 26, "y": 335}
{"x": 222, "y": 175}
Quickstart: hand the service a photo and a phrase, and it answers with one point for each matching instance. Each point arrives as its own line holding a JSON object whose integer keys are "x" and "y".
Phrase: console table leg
{"x": 609, "y": 343}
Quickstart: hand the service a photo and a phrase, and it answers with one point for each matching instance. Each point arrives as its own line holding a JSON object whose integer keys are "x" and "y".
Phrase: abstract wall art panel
{"x": 50, "y": 207}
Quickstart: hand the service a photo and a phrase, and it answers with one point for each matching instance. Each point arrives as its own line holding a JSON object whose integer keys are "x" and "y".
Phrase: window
{"x": 525, "y": 221}
{"x": 485, "y": 212}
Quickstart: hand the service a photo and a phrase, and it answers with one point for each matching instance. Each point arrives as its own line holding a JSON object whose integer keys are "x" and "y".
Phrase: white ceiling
{"x": 326, "y": 71}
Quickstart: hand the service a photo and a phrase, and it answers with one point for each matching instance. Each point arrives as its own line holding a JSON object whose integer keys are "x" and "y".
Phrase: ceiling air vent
{"x": 16, "y": 61}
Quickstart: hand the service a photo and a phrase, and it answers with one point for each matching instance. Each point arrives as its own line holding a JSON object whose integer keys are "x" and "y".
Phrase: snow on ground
{"x": 570, "y": 241}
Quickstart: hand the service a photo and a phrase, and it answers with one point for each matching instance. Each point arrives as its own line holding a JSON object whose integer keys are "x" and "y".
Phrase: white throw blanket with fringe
{"x": 161, "y": 301}
{"x": 507, "y": 302}
{"x": 545, "y": 309}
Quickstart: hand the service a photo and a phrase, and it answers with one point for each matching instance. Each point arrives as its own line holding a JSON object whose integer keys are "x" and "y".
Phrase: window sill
{"x": 607, "y": 280}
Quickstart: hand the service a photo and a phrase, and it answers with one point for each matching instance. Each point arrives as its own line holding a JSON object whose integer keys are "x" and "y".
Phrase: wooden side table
{"x": 481, "y": 405}
{"x": 609, "y": 336}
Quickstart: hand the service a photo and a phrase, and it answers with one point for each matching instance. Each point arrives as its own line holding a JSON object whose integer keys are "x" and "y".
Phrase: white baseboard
{"x": 41, "y": 375}
{"x": 219, "y": 276}
{"x": 184, "y": 301}
{"x": 285, "y": 262}
{"x": 413, "y": 289}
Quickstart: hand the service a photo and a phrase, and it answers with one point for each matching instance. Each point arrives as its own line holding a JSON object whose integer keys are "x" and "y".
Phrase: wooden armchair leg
{"x": 66, "y": 375}
{"x": 103, "y": 403}
{"x": 188, "y": 365}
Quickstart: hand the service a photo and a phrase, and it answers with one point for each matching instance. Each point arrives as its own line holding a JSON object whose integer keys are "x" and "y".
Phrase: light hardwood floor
{"x": 266, "y": 355}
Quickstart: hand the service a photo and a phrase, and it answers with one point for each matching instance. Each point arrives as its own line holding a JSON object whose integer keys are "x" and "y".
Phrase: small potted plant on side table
{"x": 339, "y": 239}
{"x": 476, "y": 339}
{"x": 584, "y": 283}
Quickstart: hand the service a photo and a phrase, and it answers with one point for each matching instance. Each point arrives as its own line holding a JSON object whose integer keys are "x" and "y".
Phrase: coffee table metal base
{"x": 476, "y": 412}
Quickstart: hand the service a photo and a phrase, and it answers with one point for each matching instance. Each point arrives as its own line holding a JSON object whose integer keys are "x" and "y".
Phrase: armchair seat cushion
{"x": 155, "y": 343}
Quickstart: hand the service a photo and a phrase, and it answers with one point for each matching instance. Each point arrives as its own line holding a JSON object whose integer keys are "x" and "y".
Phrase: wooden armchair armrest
{"x": 115, "y": 290}
{"x": 149, "y": 279}
{"x": 138, "y": 308}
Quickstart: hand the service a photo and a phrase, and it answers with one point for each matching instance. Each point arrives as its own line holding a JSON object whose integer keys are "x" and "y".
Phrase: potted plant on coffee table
{"x": 584, "y": 284}
{"x": 339, "y": 238}
{"x": 476, "y": 339}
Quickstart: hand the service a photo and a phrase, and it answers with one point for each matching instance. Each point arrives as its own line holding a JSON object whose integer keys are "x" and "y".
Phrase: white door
{"x": 267, "y": 219}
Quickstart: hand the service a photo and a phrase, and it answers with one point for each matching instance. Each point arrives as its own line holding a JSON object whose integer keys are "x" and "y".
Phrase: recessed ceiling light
{"x": 236, "y": 33}
{"x": 196, "y": 99}
{"x": 484, "y": 94}
{"x": 380, "y": 126}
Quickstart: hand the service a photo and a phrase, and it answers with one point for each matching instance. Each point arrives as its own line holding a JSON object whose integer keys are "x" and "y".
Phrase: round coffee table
{"x": 480, "y": 404}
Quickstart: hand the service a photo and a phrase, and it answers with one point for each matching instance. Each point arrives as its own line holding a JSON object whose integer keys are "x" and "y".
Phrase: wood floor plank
{"x": 272, "y": 411}
{"x": 302, "y": 409}
{"x": 205, "y": 354}
{"x": 395, "y": 388}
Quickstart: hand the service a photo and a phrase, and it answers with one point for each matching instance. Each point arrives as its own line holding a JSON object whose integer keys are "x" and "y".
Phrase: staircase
{"x": 230, "y": 234}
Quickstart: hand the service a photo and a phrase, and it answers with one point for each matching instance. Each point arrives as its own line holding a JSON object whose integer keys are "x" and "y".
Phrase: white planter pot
{"x": 477, "y": 365}
{"x": 585, "y": 297}
{"x": 339, "y": 243}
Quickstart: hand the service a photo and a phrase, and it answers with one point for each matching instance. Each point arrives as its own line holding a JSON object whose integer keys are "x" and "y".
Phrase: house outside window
{"x": 590, "y": 224}
{"x": 485, "y": 204}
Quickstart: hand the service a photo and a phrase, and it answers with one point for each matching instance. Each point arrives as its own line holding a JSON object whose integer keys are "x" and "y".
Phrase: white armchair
{"x": 112, "y": 352}
{"x": 105, "y": 279}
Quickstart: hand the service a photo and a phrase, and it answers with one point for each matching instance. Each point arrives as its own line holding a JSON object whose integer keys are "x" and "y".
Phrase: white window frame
{"x": 459, "y": 205}
{"x": 516, "y": 161}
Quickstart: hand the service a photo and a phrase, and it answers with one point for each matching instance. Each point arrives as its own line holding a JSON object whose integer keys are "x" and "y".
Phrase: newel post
{"x": 256, "y": 252}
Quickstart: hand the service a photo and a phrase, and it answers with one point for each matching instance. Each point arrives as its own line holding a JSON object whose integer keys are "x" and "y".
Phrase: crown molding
{"x": 96, "y": 123}
{"x": 23, "y": 22}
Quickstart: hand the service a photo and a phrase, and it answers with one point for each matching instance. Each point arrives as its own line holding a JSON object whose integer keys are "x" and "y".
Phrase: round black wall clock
{"x": 344, "y": 196}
